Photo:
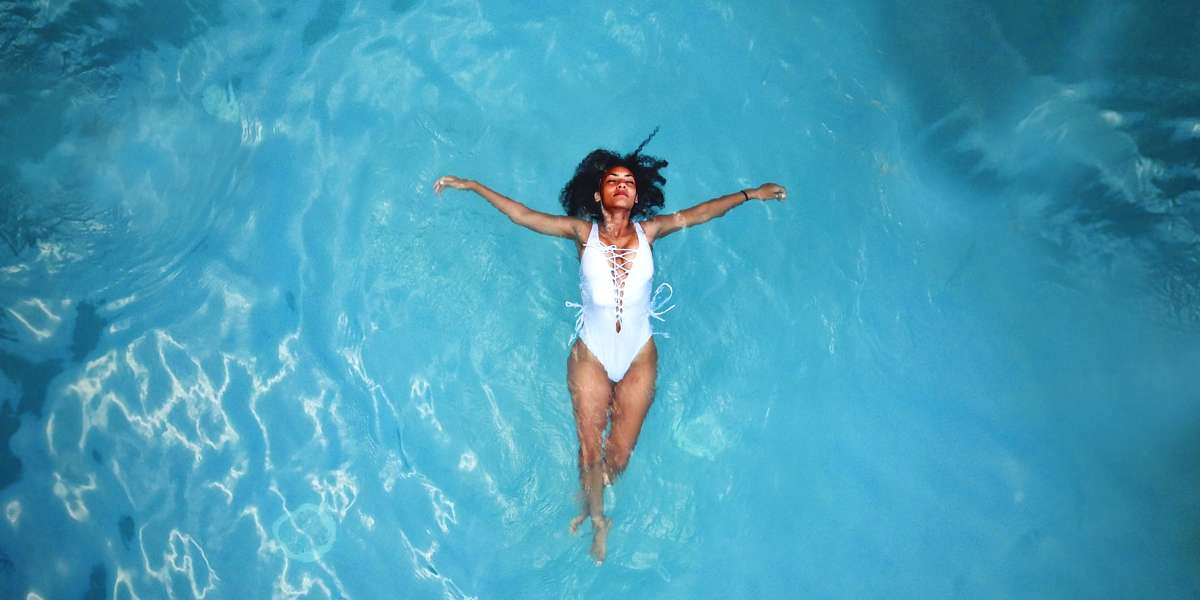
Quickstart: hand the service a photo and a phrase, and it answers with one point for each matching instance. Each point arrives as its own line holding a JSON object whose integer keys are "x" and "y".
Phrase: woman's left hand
{"x": 769, "y": 191}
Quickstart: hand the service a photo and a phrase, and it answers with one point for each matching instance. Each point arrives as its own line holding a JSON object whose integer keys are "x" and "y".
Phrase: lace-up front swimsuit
{"x": 617, "y": 305}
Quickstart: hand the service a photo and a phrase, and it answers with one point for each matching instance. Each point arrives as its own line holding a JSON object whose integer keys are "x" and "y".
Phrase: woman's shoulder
{"x": 582, "y": 229}
{"x": 650, "y": 227}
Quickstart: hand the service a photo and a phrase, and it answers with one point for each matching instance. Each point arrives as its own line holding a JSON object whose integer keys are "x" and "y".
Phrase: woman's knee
{"x": 616, "y": 457}
{"x": 590, "y": 454}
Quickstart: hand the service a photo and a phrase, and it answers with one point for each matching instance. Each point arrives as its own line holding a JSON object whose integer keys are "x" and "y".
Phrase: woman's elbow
{"x": 520, "y": 217}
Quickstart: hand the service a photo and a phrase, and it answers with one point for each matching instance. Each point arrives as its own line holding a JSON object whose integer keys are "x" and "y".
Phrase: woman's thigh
{"x": 633, "y": 396}
{"x": 591, "y": 397}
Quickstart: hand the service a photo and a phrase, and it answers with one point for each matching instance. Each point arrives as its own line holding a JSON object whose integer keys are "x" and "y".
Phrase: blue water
{"x": 247, "y": 353}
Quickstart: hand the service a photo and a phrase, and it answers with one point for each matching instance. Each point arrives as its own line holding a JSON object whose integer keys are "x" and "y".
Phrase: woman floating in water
{"x": 610, "y": 203}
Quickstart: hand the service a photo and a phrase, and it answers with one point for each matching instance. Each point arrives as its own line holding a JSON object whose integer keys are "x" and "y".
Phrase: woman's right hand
{"x": 446, "y": 181}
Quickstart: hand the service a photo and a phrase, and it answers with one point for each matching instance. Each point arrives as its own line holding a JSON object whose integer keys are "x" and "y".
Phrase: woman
{"x": 611, "y": 204}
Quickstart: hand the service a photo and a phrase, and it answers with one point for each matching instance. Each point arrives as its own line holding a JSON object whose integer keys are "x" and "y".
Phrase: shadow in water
{"x": 1083, "y": 122}
{"x": 33, "y": 379}
{"x": 97, "y": 583}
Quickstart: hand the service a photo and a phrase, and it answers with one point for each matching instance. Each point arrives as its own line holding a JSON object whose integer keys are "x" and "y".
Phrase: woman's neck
{"x": 615, "y": 223}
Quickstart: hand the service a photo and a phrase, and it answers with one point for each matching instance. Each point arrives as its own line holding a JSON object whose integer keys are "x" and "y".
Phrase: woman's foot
{"x": 600, "y": 527}
{"x": 576, "y": 521}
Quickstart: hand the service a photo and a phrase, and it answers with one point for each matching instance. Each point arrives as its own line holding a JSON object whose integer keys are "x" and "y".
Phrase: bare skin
{"x": 595, "y": 399}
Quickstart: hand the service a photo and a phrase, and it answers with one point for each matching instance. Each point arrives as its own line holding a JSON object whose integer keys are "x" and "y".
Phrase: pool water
{"x": 246, "y": 352}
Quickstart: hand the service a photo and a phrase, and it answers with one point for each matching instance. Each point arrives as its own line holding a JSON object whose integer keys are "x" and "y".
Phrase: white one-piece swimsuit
{"x": 614, "y": 284}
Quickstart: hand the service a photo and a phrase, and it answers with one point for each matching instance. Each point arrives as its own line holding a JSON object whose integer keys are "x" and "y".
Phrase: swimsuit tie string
{"x": 619, "y": 271}
{"x": 578, "y": 319}
{"x": 656, "y": 303}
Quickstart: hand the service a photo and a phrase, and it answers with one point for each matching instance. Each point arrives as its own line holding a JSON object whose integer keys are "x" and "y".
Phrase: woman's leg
{"x": 632, "y": 398}
{"x": 591, "y": 396}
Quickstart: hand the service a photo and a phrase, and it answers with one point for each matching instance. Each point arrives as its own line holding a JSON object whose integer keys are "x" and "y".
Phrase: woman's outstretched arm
{"x": 704, "y": 212}
{"x": 544, "y": 223}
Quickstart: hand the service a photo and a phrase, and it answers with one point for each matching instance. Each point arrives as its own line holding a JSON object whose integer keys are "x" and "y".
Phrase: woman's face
{"x": 618, "y": 189}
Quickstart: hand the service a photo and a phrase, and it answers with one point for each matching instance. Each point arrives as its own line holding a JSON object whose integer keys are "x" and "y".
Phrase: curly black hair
{"x": 578, "y": 196}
